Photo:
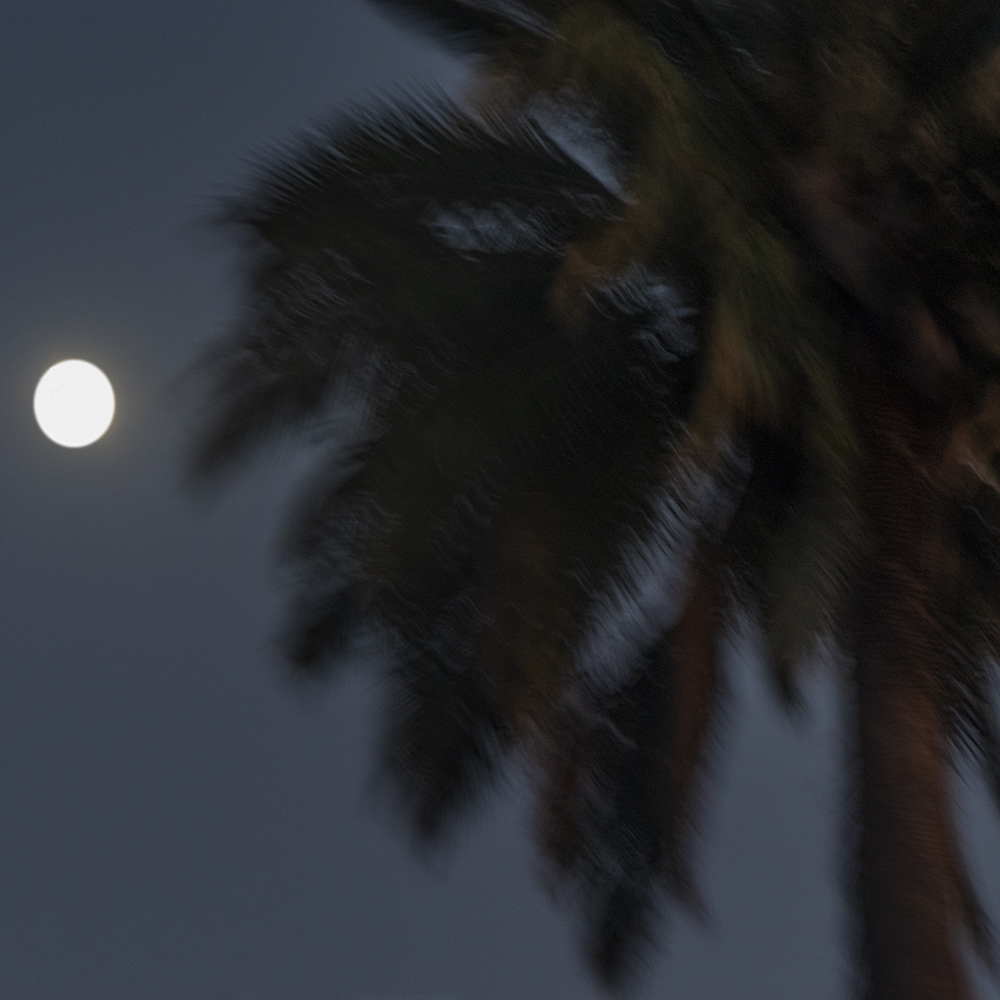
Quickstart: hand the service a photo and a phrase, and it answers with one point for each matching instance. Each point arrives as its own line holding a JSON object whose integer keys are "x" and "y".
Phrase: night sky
{"x": 176, "y": 818}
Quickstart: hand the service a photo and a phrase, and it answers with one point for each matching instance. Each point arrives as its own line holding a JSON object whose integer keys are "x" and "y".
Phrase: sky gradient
{"x": 176, "y": 820}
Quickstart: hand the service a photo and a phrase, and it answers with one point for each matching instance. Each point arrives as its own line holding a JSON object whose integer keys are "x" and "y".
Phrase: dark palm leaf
{"x": 621, "y": 788}
{"x": 468, "y": 26}
{"x": 443, "y": 550}
{"x": 332, "y": 232}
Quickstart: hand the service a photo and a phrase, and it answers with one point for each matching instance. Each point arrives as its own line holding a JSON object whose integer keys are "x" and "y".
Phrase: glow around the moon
{"x": 74, "y": 403}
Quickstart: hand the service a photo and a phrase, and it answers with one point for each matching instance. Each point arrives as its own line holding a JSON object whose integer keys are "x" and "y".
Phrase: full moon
{"x": 74, "y": 403}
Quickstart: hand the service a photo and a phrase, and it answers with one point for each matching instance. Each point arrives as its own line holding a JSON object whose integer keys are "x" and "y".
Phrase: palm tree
{"x": 692, "y": 300}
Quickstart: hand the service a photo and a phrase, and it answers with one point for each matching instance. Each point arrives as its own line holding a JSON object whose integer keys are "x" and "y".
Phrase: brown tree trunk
{"x": 908, "y": 891}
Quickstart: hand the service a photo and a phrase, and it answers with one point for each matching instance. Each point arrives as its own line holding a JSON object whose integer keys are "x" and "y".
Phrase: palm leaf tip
{"x": 620, "y": 799}
{"x": 602, "y": 850}
{"x": 466, "y": 26}
{"x": 623, "y": 935}
{"x": 320, "y": 632}
{"x": 445, "y": 744}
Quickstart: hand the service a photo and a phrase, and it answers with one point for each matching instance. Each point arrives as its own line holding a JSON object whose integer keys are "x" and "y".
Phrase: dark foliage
{"x": 534, "y": 388}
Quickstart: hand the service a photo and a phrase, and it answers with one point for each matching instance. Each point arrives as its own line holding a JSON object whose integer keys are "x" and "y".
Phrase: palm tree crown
{"x": 692, "y": 299}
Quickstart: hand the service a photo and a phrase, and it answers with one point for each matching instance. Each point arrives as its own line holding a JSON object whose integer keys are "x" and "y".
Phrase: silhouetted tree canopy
{"x": 684, "y": 320}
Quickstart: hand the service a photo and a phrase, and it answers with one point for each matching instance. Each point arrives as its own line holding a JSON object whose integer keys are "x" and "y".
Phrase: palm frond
{"x": 430, "y": 537}
{"x": 448, "y": 462}
{"x": 621, "y": 785}
{"x": 446, "y": 732}
{"x": 364, "y": 255}
{"x": 467, "y": 26}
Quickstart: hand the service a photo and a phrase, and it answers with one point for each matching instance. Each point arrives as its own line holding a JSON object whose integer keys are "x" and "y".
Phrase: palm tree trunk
{"x": 908, "y": 891}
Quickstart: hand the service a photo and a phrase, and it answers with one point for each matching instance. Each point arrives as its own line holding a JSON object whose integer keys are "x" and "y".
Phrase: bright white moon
{"x": 74, "y": 403}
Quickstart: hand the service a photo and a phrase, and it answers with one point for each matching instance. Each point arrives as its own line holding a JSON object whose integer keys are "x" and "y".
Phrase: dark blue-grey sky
{"x": 175, "y": 821}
